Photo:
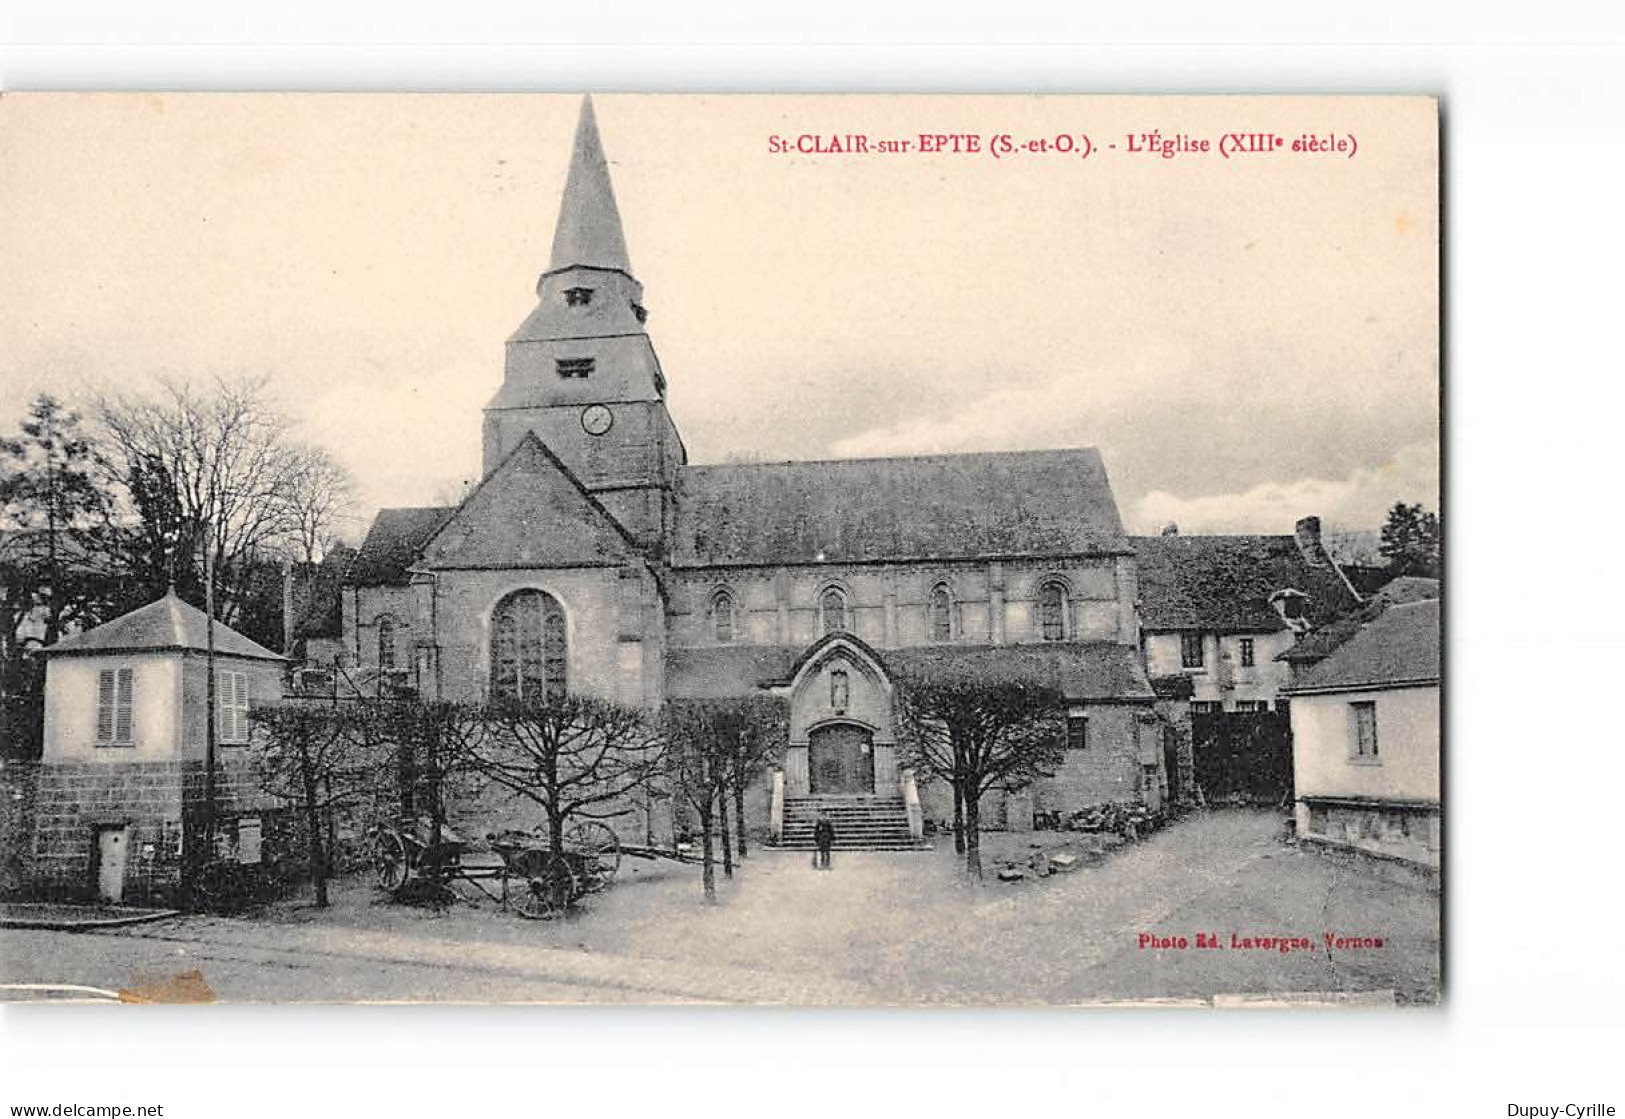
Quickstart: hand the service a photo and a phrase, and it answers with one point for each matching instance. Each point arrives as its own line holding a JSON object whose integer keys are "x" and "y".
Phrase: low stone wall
{"x": 1399, "y": 841}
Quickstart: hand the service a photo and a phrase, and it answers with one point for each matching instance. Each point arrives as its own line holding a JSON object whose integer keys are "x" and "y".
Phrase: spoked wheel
{"x": 540, "y": 884}
{"x": 600, "y": 852}
{"x": 389, "y": 865}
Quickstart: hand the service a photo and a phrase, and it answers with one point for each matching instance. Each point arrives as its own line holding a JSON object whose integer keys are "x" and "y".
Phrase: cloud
{"x": 1360, "y": 500}
{"x": 1070, "y": 407}
{"x": 426, "y": 429}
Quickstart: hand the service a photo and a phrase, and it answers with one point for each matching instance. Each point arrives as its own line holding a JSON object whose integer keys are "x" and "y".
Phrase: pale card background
{"x": 1533, "y": 237}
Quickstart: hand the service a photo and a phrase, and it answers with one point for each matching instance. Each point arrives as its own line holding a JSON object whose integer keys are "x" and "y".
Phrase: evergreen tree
{"x": 1411, "y": 541}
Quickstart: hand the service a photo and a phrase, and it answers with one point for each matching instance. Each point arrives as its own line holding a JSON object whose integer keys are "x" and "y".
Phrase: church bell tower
{"x": 581, "y": 371}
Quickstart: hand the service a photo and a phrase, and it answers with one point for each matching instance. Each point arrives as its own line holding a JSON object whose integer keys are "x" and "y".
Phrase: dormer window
{"x": 1290, "y": 604}
{"x": 577, "y": 297}
{"x": 575, "y": 368}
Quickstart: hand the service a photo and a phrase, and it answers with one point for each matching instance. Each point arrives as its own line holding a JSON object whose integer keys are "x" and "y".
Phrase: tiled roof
{"x": 168, "y": 624}
{"x": 393, "y": 543}
{"x": 1408, "y": 588}
{"x": 1224, "y": 583}
{"x": 1083, "y": 672}
{"x": 1400, "y": 647}
{"x": 725, "y": 670}
{"x": 933, "y": 507}
{"x": 1321, "y": 643}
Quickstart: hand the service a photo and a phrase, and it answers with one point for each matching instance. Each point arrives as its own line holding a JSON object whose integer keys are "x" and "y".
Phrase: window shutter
{"x": 124, "y": 719}
{"x": 233, "y": 706}
{"x": 104, "y": 705}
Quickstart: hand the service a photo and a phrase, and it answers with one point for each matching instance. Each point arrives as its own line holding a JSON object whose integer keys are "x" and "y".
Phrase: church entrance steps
{"x": 862, "y": 823}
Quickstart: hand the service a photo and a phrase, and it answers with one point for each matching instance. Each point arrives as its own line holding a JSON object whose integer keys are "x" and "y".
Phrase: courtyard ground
{"x": 897, "y": 928}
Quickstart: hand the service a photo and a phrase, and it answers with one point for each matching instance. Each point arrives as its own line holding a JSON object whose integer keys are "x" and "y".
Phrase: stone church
{"x": 593, "y": 555}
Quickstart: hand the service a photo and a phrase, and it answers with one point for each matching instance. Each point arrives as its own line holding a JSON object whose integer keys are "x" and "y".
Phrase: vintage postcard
{"x": 809, "y": 550}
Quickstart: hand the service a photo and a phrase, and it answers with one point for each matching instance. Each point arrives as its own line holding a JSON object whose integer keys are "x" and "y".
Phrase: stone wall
{"x": 19, "y": 791}
{"x": 157, "y": 801}
{"x": 77, "y": 798}
{"x": 1123, "y": 761}
{"x": 888, "y": 603}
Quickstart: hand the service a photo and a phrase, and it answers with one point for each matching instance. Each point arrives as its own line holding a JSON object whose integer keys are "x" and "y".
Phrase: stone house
{"x": 594, "y": 556}
{"x": 121, "y": 778}
{"x": 1217, "y": 611}
{"x": 1366, "y": 732}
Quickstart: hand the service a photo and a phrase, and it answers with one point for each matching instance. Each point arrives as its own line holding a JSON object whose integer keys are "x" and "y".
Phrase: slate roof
{"x": 726, "y": 670}
{"x": 164, "y": 626}
{"x": 1320, "y": 644}
{"x": 1083, "y": 672}
{"x": 1223, "y": 583}
{"x": 930, "y": 507}
{"x": 589, "y": 228}
{"x": 1408, "y": 588}
{"x": 1399, "y": 648}
{"x": 393, "y": 543}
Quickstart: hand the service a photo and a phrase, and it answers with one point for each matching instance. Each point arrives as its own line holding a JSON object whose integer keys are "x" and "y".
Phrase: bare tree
{"x": 700, "y": 753}
{"x": 214, "y": 473}
{"x": 308, "y": 756}
{"x": 979, "y": 729}
{"x": 320, "y": 494}
{"x": 574, "y": 756}
{"x": 757, "y": 729}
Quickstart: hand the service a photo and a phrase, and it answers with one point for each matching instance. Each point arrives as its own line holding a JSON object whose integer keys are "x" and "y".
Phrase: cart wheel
{"x": 389, "y": 864}
{"x": 600, "y": 851}
{"x": 540, "y": 884}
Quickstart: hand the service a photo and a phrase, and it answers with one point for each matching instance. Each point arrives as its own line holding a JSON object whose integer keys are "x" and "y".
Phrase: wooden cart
{"x": 531, "y": 880}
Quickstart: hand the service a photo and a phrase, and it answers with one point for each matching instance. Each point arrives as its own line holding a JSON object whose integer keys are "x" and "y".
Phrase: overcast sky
{"x": 1246, "y": 340}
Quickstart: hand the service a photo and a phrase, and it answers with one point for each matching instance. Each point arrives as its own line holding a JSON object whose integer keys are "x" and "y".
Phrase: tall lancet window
{"x": 1052, "y": 611}
{"x": 722, "y": 618}
{"x": 942, "y": 613}
{"x": 529, "y": 648}
{"x": 832, "y": 609}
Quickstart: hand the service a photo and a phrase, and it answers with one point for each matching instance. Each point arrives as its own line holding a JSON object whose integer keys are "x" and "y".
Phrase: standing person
{"x": 824, "y": 840}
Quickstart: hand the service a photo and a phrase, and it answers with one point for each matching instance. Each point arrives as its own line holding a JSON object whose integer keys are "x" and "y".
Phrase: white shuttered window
{"x": 231, "y": 693}
{"x": 115, "y": 707}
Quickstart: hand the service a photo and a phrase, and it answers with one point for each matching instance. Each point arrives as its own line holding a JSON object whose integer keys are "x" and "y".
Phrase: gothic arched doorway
{"x": 841, "y": 760}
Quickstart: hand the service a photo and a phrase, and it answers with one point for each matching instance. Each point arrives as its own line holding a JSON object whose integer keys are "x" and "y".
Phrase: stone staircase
{"x": 862, "y": 823}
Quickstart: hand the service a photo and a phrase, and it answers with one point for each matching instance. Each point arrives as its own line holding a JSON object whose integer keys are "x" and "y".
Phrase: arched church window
{"x": 1052, "y": 611}
{"x": 832, "y": 608}
{"x": 942, "y": 613}
{"x": 529, "y": 648}
{"x": 722, "y": 618}
{"x": 386, "y": 644}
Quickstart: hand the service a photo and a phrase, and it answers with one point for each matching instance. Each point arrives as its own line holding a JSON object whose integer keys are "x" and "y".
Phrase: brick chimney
{"x": 1307, "y": 530}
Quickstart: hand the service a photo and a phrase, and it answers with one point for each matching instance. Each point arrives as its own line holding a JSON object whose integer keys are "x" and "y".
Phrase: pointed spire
{"x": 589, "y": 229}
